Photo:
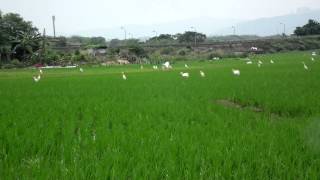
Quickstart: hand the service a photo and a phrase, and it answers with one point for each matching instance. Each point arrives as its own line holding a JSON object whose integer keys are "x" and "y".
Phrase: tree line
{"x": 21, "y": 42}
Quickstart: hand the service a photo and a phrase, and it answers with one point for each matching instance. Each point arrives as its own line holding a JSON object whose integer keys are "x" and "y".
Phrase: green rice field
{"x": 263, "y": 124}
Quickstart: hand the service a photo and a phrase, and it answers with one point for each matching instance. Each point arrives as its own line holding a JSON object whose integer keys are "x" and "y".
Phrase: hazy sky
{"x": 76, "y": 15}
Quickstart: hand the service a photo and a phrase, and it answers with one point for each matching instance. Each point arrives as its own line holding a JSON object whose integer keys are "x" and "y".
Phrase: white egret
{"x": 249, "y": 62}
{"x": 259, "y": 65}
{"x": 155, "y": 67}
{"x": 202, "y": 74}
{"x": 36, "y": 78}
{"x": 305, "y": 66}
{"x": 271, "y": 61}
{"x": 236, "y": 72}
{"x": 166, "y": 65}
{"x": 124, "y": 77}
{"x": 312, "y": 59}
{"x": 186, "y": 66}
{"x": 314, "y": 53}
{"x": 40, "y": 71}
{"x": 185, "y": 75}
{"x": 260, "y": 62}
{"x": 141, "y": 67}
{"x": 81, "y": 70}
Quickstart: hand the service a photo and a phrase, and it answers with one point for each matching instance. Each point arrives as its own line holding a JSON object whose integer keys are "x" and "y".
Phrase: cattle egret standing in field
{"x": 141, "y": 67}
{"x": 166, "y": 65}
{"x": 81, "y": 70}
{"x": 249, "y": 62}
{"x": 124, "y": 77}
{"x": 186, "y": 66}
{"x": 202, "y": 74}
{"x": 36, "y": 78}
{"x": 185, "y": 75}
{"x": 236, "y": 72}
{"x": 314, "y": 53}
{"x": 305, "y": 66}
{"x": 40, "y": 71}
{"x": 312, "y": 59}
{"x": 155, "y": 67}
{"x": 260, "y": 62}
{"x": 271, "y": 61}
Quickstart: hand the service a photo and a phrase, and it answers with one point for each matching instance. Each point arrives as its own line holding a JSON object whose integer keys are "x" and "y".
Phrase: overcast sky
{"x": 76, "y": 15}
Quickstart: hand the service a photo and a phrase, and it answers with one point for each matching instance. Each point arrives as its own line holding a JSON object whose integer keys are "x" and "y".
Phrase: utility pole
{"x": 284, "y": 28}
{"x": 125, "y": 32}
{"x": 234, "y": 30}
{"x": 54, "y": 26}
{"x": 195, "y": 35}
{"x": 156, "y": 34}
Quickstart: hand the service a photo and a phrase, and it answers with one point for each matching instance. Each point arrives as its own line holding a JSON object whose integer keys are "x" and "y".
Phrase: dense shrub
{"x": 136, "y": 50}
{"x": 167, "y": 51}
{"x": 79, "y": 58}
{"x": 182, "y": 53}
{"x": 17, "y": 63}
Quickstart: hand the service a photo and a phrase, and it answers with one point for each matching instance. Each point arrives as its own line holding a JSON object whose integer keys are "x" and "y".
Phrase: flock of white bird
{"x": 167, "y": 66}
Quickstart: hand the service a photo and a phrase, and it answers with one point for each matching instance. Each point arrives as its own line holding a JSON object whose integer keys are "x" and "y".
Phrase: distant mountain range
{"x": 211, "y": 26}
{"x": 274, "y": 25}
{"x": 205, "y": 25}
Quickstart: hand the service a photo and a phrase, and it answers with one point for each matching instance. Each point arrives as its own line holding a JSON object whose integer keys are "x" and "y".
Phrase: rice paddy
{"x": 262, "y": 124}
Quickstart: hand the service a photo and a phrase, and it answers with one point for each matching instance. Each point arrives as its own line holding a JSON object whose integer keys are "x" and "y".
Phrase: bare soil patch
{"x": 241, "y": 106}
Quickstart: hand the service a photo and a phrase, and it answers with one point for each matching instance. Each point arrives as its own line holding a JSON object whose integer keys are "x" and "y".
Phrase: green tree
{"x": 16, "y": 33}
{"x": 311, "y": 28}
{"x": 189, "y": 37}
{"x": 162, "y": 39}
{"x": 87, "y": 41}
{"x": 5, "y": 38}
{"x": 13, "y": 24}
{"x": 136, "y": 50}
{"x": 26, "y": 43}
{"x": 114, "y": 43}
{"x": 98, "y": 41}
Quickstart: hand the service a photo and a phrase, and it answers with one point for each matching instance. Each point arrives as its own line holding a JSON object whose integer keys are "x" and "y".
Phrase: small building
{"x": 97, "y": 51}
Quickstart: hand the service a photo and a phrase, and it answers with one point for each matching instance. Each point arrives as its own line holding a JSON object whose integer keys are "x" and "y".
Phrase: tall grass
{"x": 156, "y": 125}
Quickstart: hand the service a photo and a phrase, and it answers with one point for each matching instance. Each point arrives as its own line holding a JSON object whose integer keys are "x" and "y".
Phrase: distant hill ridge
{"x": 211, "y": 26}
